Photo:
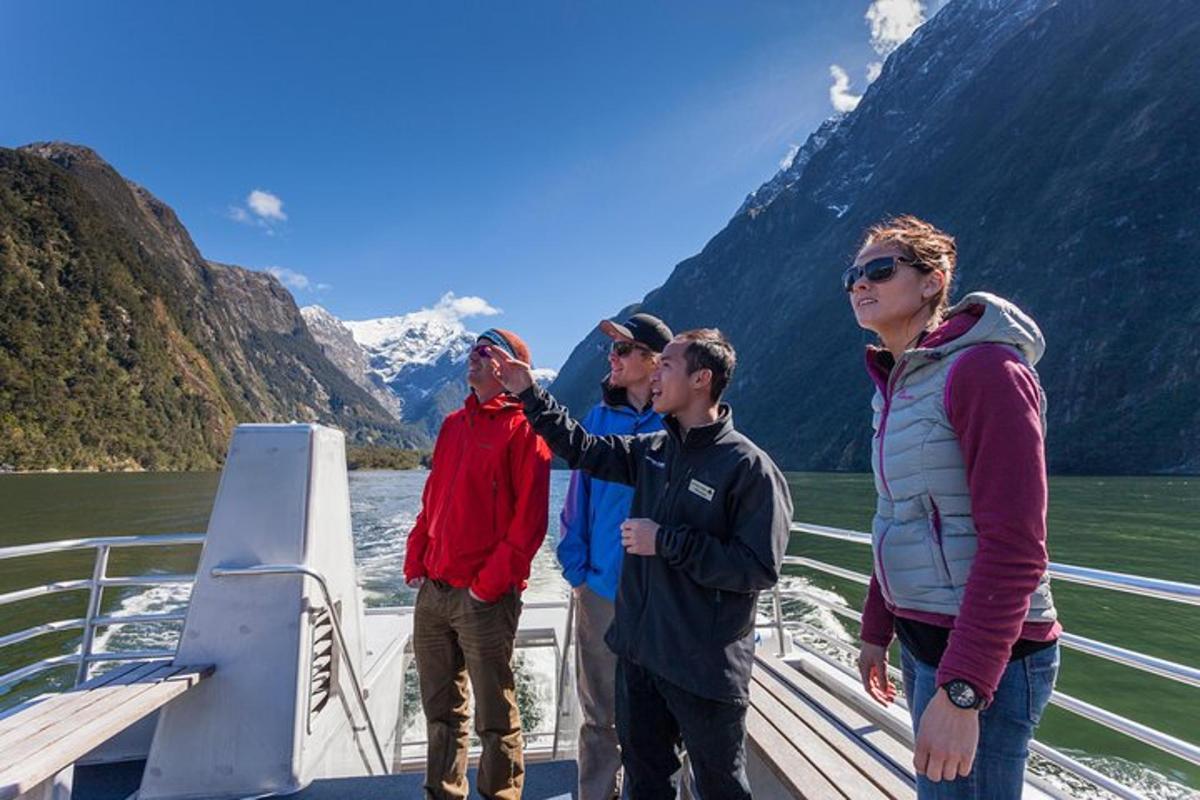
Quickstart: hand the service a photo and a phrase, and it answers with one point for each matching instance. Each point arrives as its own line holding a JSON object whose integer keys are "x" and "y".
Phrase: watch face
{"x": 961, "y": 694}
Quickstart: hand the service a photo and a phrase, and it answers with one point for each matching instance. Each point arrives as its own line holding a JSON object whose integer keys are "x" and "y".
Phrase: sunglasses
{"x": 482, "y": 350}
{"x": 625, "y": 348}
{"x": 877, "y": 270}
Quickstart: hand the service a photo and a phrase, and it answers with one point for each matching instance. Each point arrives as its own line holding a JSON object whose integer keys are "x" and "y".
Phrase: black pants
{"x": 652, "y": 716}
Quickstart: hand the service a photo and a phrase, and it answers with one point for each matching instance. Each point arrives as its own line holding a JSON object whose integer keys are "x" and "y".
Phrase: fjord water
{"x": 1146, "y": 526}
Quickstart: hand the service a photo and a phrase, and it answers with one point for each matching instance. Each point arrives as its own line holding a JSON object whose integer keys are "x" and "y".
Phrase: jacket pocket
{"x": 938, "y": 553}
{"x": 732, "y": 615}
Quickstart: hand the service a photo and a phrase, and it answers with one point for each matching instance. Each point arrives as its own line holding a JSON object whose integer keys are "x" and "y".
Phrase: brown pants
{"x": 456, "y": 636}
{"x": 596, "y": 671}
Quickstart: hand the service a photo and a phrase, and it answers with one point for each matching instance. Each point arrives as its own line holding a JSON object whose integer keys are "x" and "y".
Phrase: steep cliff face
{"x": 338, "y": 345}
{"x": 1056, "y": 141}
{"x": 121, "y": 347}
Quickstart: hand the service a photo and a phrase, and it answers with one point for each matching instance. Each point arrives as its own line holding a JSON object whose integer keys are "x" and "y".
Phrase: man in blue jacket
{"x": 590, "y": 550}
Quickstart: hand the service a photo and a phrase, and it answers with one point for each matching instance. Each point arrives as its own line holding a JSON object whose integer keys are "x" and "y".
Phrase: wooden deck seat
{"x": 40, "y": 738}
{"x": 806, "y": 743}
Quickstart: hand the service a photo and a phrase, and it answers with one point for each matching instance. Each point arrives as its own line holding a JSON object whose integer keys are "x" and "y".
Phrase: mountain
{"x": 338, "y": 345}
{"x": 1056, "y": 141}
{"x": 419, "y": 358}
{"x": 121, "y": 346}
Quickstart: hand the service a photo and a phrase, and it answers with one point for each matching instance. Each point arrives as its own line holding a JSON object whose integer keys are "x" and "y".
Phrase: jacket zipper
{"x": 462, "y": 451}
{"x": 889, "y": 387}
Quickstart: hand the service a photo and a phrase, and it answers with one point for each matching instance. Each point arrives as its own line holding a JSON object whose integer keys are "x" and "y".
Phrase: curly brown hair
{"x": 926, "y": 246}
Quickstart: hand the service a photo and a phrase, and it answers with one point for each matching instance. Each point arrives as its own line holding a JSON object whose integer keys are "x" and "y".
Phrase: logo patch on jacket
{"x": 701, "y": 490}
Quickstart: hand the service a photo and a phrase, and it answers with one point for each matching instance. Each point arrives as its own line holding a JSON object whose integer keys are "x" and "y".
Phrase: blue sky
{"x": 556, "y": 159}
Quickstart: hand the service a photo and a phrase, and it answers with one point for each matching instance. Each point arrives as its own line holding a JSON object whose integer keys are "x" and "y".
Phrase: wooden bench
{"x": 40, "y": 738}
{"x": 813, "y": 745}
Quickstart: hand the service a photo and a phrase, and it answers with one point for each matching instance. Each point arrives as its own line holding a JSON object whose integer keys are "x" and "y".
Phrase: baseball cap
{"x": 645, "y": 329}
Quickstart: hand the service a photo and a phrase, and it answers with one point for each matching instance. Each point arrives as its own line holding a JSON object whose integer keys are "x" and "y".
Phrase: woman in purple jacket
{"x": 959, "y": 534}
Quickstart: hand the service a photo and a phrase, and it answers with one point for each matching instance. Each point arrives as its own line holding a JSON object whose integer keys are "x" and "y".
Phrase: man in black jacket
{"x": 708, "y": 530}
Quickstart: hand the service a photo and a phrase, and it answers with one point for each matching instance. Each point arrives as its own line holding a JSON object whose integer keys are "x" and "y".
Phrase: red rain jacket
{"x": 486, "y": 501}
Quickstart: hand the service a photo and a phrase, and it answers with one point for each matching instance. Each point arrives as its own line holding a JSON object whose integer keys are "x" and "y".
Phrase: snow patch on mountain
{"x": 424, "y": 337}
{"x": 419, "y": 358}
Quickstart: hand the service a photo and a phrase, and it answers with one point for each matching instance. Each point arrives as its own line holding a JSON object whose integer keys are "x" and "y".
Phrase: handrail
{"x": 99, "y": 581}
{"x": 139, "y": 540}
{"x": 299, "y": 569}
{"x": 1175, "y": 591}
{"x": 1172, "y": 591}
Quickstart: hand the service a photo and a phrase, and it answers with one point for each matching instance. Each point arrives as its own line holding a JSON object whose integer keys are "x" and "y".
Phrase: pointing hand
{"x": 514, "y": 375}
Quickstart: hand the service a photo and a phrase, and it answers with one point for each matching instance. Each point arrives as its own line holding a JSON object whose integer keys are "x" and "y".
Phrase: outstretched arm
{"x": 609, "y": 458}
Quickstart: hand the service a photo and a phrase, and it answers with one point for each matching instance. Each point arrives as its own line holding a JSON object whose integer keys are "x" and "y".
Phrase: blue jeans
{"x": 1005, "y": 726}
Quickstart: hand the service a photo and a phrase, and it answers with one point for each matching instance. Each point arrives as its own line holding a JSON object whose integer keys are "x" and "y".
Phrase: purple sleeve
{"x": 877, "y": 620}
{"x": 993, "y": 403}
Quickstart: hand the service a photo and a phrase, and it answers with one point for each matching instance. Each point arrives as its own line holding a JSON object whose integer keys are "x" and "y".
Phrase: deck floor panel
{"x": 791, "y": 766}
{"x": 838, "y": 727}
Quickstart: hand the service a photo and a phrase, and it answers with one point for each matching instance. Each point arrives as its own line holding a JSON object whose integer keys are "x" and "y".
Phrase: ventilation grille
{"x": 320, "y": 680}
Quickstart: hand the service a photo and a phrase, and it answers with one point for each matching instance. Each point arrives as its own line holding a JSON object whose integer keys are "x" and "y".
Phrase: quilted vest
{"x": 923, "y": 536}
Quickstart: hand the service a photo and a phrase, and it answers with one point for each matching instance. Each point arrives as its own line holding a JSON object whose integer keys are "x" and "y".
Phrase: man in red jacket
{"x": 483, "y": 517}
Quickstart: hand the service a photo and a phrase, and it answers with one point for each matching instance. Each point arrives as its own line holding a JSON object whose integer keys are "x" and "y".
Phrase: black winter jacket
{"x": 688, "y": 613}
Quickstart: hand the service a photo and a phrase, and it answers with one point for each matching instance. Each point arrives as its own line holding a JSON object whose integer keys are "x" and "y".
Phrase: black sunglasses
{"x": 877, "y": 270}
{"x": 625, "y": 348}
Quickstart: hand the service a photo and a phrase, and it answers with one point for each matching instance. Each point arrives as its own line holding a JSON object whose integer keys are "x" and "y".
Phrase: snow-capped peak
{"x": 421, "y": 337}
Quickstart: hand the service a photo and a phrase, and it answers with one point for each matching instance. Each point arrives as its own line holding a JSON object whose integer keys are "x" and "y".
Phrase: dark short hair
{"x": 709, "y": 349}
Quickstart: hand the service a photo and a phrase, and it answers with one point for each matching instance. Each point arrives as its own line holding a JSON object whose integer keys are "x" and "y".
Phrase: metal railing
{"x": 95, "y": 586}
{"x": 1171, "y": 591}
{"x": 562, "y": 652}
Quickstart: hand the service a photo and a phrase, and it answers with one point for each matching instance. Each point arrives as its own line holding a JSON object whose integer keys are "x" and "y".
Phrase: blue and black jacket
{"x": 589, "y": 548}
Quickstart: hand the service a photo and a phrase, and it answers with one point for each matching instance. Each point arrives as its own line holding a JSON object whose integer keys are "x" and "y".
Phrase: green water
{"x": 1148, "y": 526}
{"x": 1145, "y": 526}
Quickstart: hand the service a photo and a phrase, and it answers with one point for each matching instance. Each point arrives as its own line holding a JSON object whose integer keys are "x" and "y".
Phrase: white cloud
{"x": 266, "y": 205}
{"x": 839, "y": 93}
{"x": 296, "y": 281}
{"x": 262, "y": 209}
{"x": 892, "y": 22}
{"x": 459, "y": 308}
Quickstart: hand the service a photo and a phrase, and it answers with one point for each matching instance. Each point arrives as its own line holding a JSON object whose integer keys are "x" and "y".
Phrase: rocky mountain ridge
{"x": 121, "y": 346}
{"x": 1052, "y": 139}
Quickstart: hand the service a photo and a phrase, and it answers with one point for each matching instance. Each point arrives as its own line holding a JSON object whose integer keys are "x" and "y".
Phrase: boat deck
{"x": 809, "y": 737}
{"x": 550, "y": 780}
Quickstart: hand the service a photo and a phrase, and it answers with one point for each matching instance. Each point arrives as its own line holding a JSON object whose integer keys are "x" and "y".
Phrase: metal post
{"x": 562, "y": 670}
{"x": 99, "y": 569}
{"x": 777, "y": 609}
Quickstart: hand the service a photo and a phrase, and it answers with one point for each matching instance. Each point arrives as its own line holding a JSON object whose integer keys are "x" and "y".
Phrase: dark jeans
{"x": 456, "y": 636}
{"x": 1005, "y": 726}
{"x": 652, "y": 716}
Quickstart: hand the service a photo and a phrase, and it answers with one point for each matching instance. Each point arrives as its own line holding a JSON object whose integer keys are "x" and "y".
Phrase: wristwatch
{"x": 963, "y": 694}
